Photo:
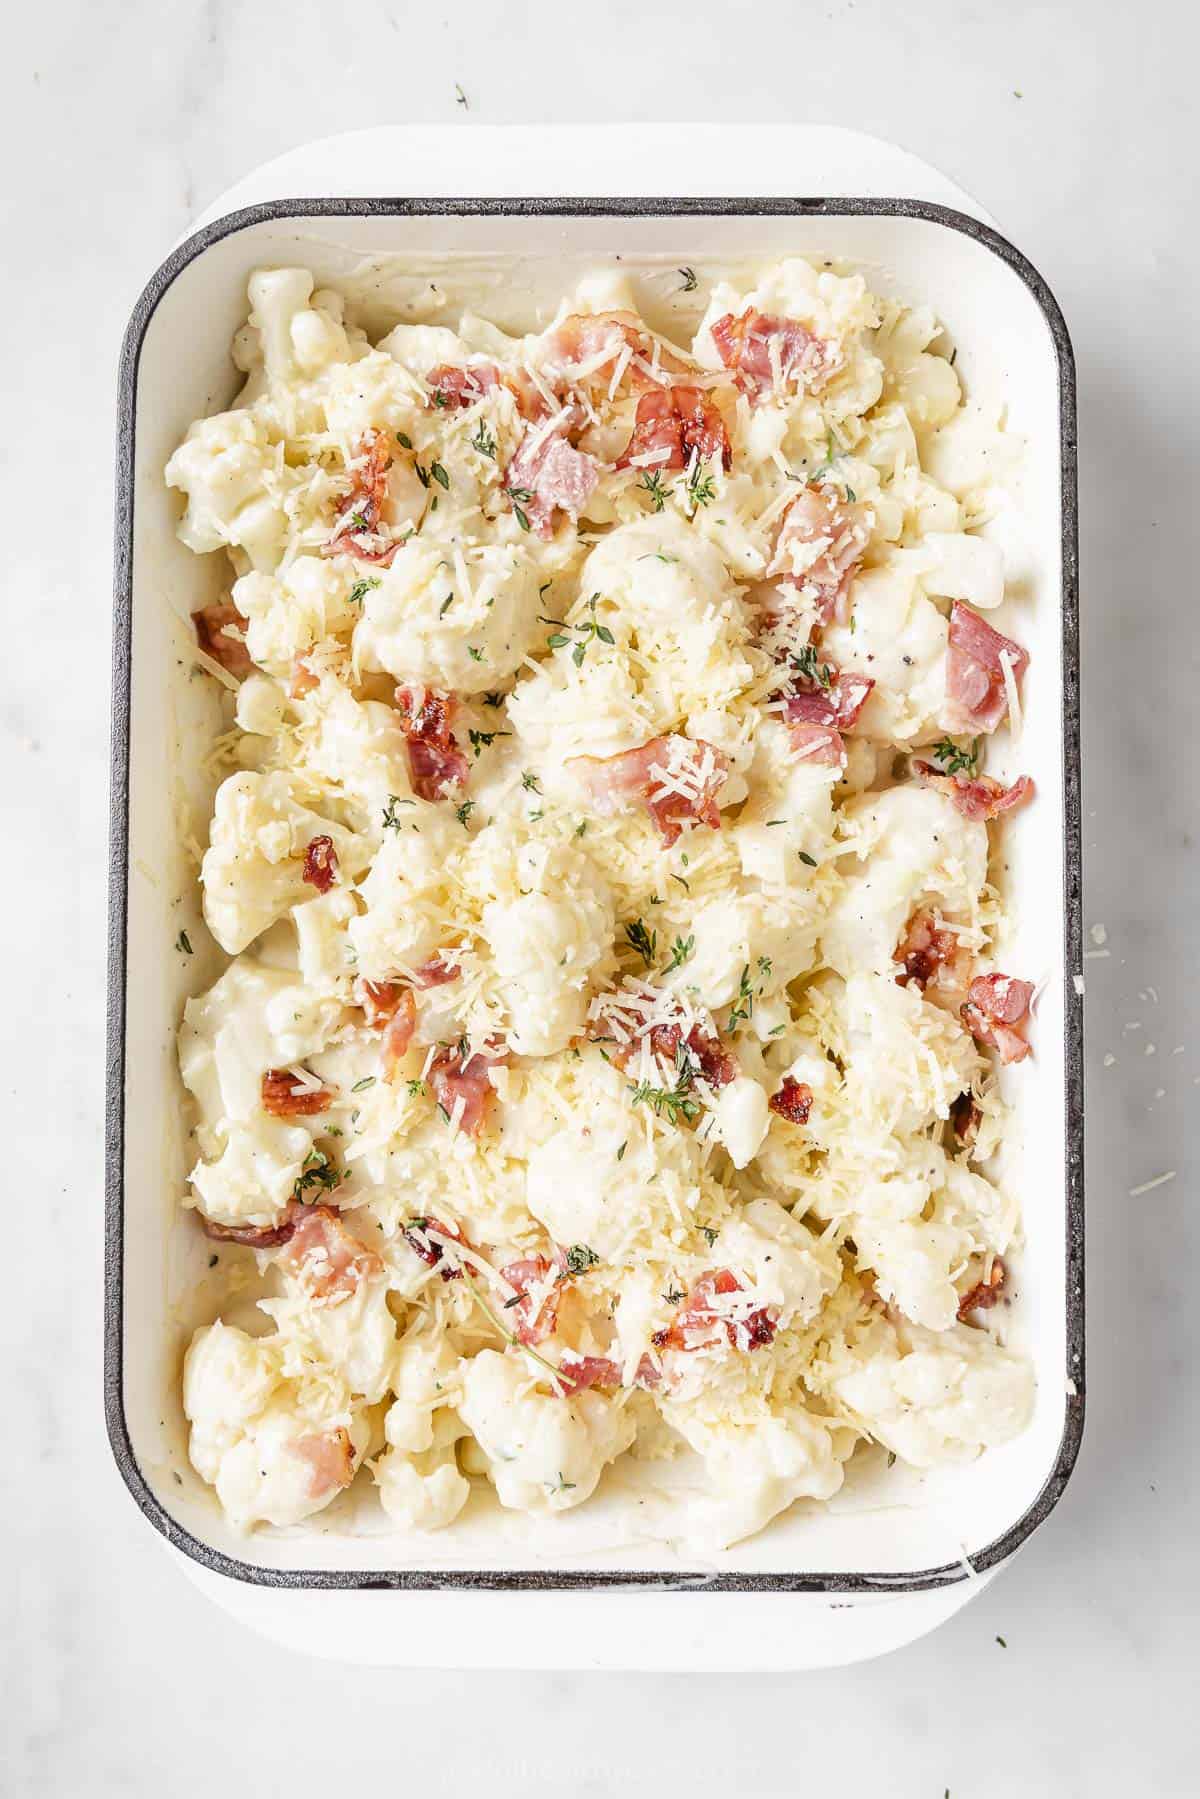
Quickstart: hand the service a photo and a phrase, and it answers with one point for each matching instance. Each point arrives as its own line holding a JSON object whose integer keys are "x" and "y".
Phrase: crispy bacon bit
{"x": 253, "y": 1236}
{"x": 359, "y": 527}
{"x": 524, "y": 1274}
{"x": 996, "y": 1005}
{"x": 976, "y": 690}
{"x": 379, "y": 1000}
{"x": 214, "y": 625}
{"x": 676, "y": 778}
{"x": 760, "y": 348}
{"x": 436, "y": 972}
{"x": 817, "y": 743}
{"x": 416, "y": 1235}
{"x": 321, "y": 864}
{"x": 580, "y": 1372}
{"x": 303, "y": 679}
{"x": 713, "y": 1063}
{"x": 977, "y": 796}
{"x": 456, "y": 388}
{"x": 329, "y": 1261}
{"x": 700, "y": 1324}
{"x": 398, "y": 1033}
{"x": 819, "y": 547}
{"x": 672, "y": 424}
{"x": 984, "y": 1293}
{"x": 454, "y": 1080}
{"x": 435, "y": 762}
{"x": 929, "y": 952}
{"x": 793, "y": 1101}
{"x": 818, "y": 707}
{"x": 966, "y": 1116}
{"x": 546, "y": 476}
{"x": 283, "y": 1096}
{"x": 330, "y": 1456}
{"x": 585, "y": 349}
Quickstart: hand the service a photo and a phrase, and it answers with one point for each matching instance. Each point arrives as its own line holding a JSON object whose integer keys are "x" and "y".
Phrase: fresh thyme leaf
{"x": 809, "y": 861}
{"x": 392, "y": 820}
{"x": 689, "y": 281}
{"x": 557, "y": 641}
{"x": 493, "y": 699}
{"x": 643, "y": 941}
{"x": 676, "y": 1102}
{"x": 681, "y": 949}
{"x": 362, "y": 588}
{"x": 440, "y": 476}
{"x": 621, "y": 1151}
{"x": 460, "y": 98}
{"x": 657, "y": 556}
{"x": 483, "y": 740}
{"x": 652, "y": 484}
{"x": 578, "y": 654}
{"x": 514, "y": 1301}
{"x": 806, "y": 665}
{"x": 183, "y": 942}
{"x": 404, "y": 440}
{"x": 474, "y": 654}
{"x": 743, "y": 1006}
{"x": 422, "y": 474}
{"x": 529, "y": 782}
{"x": 701, "y": 489}
{"x": 674, "y": 1295}
{"x": 561, "y": 1485}
{"x": 318, "y": 1172}
{"x": 483, "y": 441}
{"x": 519, "y": 493}
{"x": 522, "y": 517}
{"x": 710, "y": 1233}
{"x": 579, "y": 1258}
{"x": 415, "y": 1089}
{"x": 368, "y": 1080}
{"x": 581, "y": 827}
{"x": 954, "y": 759}
{"x": 463, "y": 812}
{"x": 445, "y": 606}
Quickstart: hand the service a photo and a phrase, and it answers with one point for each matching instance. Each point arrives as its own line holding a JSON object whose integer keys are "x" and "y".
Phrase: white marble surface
{"x": 1075, "y": 126}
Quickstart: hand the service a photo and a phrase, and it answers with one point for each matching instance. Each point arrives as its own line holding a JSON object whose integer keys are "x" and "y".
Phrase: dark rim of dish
{"x": 547, "y": 1579}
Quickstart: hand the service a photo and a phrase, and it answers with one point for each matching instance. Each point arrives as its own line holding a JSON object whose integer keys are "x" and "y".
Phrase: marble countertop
{"x": 1073, "y": 1673}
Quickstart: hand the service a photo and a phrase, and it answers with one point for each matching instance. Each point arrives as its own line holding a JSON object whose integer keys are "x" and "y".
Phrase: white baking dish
{"x": 889, "y": 1531}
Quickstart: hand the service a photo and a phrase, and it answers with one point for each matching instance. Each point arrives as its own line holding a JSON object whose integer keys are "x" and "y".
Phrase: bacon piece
{"x": 820, "y": 545}
{"x": 977, "y": 796}
{"x": 599, "y": 339}
{"x": 303, "y": 679}
{"x": 699, "y": 1324}
{"x": 436, "y": 972}
{"x": 416, "y": 1235}
{"x": 283, "y": 1096}
{"x": 398, "y": 1033}
{"x": 966, "y": 1116}
{"x": 995, "y": 1005}
{"x": 816, "y": 715}
{"x": 641, "y": 774}
{"x": 578, "y": 1373}
{"x": 928, "y": 952}
{"x": 435, "y": 762}
{"x": 745, "y": 345}
{"x": 358, "y": 529}
{"x": 984, "y": 1294}
{"x": 321, "y": 864}
{"x": 452, "y": 1080}
{"x": 330, "y": 1456}
{"x": 975, "y": 687}
{"x": 455, "y": 388}
{"x": 379, "y": 1000}
{"x": 793, "y": 1101}
{"x": 252, "y": 1236}
{"x": 546, "y": 476}
{"x": 671, "y": 424}
{"x": 329, "y": 1261}
{"x": 713, "y": 1062}
{"x": 817, "y": 743}
{"x": 213, "y": 624}
{"x": 524, "y": 1274}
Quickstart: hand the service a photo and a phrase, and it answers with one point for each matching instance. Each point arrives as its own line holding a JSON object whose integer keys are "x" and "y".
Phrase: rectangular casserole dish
{"x": 513, "y": 260}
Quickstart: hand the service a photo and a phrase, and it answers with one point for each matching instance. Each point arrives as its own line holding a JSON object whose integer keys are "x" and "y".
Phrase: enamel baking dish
{"x": 889, "y": 1531}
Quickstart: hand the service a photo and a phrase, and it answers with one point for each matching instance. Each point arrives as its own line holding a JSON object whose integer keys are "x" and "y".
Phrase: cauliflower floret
{"x": 546, "y": 944}
{"x": 461, "y": 619}
{"x": 404, "y": 896}
{"x": 253, "y": 1176}
{"x": 912, "y": 847}
{"x": 275, "y": 1448}
{"x": 926, "y": 386}
{"x": 360, "y": 746}
{"x": 291, "y": 611}
{"x": 740, "y": 1119}
{"x": 235, "y": 481}
{"x": 897, "y": 636}
{"x": 545, "y": 1453}
{"x": 354, "y": 1334}
{"x": 254, "y": 1018}
{"x": 323, "y": 946}
{"x": 779, "y": 1260}
{"x": 253, "y": 868}
{"x": 789, "y": 813}
{"x": 755, "y": 942}
{"x": 422, "y": 1492}
{"x": 930, "y": 1396}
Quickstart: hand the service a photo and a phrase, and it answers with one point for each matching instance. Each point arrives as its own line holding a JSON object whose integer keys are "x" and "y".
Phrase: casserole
{"x": 511, "y": 257}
